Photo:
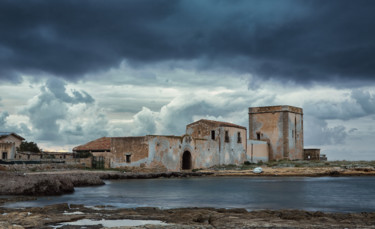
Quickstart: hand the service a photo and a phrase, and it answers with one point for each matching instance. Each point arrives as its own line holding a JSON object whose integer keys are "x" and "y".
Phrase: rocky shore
{"x": 29, "y": 185}
{"x": 62, "y": 182}
{"x": 54, "y": 215}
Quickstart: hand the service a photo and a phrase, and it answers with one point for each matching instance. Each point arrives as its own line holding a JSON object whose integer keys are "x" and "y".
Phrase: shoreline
{"x": 47, "y": 183}
{"x": 48, "y": 216}
{"x": 36, "y": 183}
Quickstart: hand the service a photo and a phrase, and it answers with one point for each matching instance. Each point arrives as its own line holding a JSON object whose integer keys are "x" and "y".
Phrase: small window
{"x": 226, "y": 136}
{"x": 128, "y": 160}
{"x": 5, "y": 155}
{"x": 239, "y": 140}
{"x": 212, "y": 134}
{"x": 258, "y": 136}
{"x": 28, "y": 157}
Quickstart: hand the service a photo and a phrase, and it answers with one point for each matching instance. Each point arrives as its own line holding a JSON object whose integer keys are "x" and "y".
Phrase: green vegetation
{"x": 29, "y": 147}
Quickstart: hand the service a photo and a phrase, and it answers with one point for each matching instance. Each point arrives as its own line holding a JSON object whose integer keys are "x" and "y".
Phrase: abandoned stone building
{"x": 9, "y": 142}
{"x": 281, "y": 127}
{"x": 275, "y": 133}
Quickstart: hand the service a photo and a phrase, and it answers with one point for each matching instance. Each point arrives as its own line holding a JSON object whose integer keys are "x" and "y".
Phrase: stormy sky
{"x": 73, "y": 71}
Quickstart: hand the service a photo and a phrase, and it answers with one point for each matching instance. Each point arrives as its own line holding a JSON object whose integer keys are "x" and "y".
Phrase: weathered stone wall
{"x": 79, "y": 162}
{"x": 136, "y": 147}
{"x": 311, "y": 154}
{"x": 108, "y": 157}
{"x": 11, "y": 139}
{"x": 9, "y": 149}
{"x": 232, "y": 151}
{"x": 281, "y": 127}
{"x": 257, "y": 151}
{"x": 71, "y": 164}
{"x": 28, "y": 156}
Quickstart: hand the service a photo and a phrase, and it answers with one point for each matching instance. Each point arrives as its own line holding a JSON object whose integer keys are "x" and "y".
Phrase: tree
{"x": 29, "y": 147}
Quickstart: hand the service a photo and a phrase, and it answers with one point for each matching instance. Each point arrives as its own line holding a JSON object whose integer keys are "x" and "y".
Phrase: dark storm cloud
{"x": 301, "y": 41}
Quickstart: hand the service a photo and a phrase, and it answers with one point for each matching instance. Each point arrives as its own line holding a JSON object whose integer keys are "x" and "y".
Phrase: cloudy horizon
{"x": 74, "y": 71}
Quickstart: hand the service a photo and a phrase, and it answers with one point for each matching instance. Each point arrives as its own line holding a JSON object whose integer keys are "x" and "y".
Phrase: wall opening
{"x": 258, "y": 136}
{"x": 226, "y": 136}
{"x": 239, "y": 140}
{"x": 186, "y": 160}
{"x": 5, "y": 155}
{"x": 212, "y": 134}
{"x": 128, "y": 158}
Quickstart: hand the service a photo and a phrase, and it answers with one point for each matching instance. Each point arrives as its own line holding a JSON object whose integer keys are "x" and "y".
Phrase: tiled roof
{"x": 5, "y": 134}
{"x": 219, "y": 123}
{"x": 103, "y": 143}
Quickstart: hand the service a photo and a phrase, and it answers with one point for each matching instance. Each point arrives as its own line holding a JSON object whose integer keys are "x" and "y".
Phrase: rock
{"x": 258, "y": 170}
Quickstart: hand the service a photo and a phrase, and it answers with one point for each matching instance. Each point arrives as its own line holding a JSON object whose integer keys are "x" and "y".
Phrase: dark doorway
{"x": 98, "y": 162}
{"x": 5, "y": 155}
{"x": 186, "y": 160}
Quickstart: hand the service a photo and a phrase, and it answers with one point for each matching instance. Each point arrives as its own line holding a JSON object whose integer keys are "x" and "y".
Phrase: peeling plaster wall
{"x": 257, "y": 151}
{"x": 295, "y": 136}
{"x": 270, "y": 128}
{"x": 9, "y": 148}
{"x": 281, "y": 127}
{"x": 232, "y": 152}
{"x": 11, "y": 139}
{"x": 137, "y": 147}
{"x": 217, "y": 151}
{"x": 108, "y": 158}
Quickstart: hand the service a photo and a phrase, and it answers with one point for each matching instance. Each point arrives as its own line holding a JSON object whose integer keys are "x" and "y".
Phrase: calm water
{"x": 330, "y": 194}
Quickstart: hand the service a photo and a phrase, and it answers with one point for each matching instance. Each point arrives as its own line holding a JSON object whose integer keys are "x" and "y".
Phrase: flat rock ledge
{"x": 44, "y": 184}
{"x": 182, "y": 218}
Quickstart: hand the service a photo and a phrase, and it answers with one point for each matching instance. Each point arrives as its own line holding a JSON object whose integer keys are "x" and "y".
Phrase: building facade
{"x": 281, "y": 127}
{"x": 275, "y": 133}
{"x": 9, "y": 142}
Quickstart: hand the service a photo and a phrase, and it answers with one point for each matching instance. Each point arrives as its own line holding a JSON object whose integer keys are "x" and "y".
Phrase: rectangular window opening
{"x": 239, "y": 140}
{"x": 258, "y": 136}
{"x": 226, "y": 136}
{"x": 128, "y": 160}
{"x": 212, "y": 134}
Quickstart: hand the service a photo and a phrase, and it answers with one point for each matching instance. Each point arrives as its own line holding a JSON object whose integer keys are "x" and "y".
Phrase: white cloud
{"x": 160, "y": 99}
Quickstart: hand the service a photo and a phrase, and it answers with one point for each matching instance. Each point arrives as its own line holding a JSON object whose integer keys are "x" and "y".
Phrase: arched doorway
{"x": 186, "y": 160}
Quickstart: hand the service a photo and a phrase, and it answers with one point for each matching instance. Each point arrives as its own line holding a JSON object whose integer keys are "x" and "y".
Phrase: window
{"x": 239, "y": 140}
{"x": 212, "y": 134}
{"x": 128, "y": 160}
{"x": 226, "y": 136}
{"x": 28, "y": 157}
{"x": 258, "y": 136}
{"x": 5, "y": 155}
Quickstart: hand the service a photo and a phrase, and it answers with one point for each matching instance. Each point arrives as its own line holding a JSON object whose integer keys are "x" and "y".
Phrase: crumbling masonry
{"x": 275, "y": 133}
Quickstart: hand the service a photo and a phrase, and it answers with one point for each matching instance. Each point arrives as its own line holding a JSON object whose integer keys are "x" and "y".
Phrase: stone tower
{"x": 281, "y": 127}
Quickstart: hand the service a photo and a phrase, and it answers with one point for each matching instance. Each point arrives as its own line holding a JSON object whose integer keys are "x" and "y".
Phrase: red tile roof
{"x": 219, "y": 123}
{"x": 103, "y": 144}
